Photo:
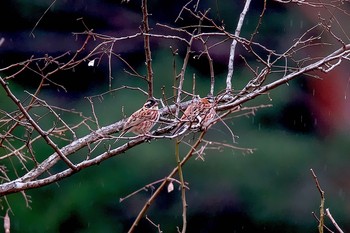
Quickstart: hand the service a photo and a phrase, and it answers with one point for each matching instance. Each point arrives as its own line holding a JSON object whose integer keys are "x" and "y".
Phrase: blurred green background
{"x": 270, "y": 190}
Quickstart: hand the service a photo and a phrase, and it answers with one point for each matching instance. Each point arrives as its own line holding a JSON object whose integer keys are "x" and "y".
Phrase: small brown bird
{"x": 198, "y": 116}
{"x": 143, "y": 120}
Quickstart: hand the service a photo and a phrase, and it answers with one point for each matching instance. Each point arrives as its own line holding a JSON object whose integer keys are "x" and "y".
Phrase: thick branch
{"x": 244, "y": 97}
{"x": 27, "y": 181}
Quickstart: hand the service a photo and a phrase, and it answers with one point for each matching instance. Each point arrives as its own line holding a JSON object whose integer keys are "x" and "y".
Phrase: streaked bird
{"x": 198, "y": 116}
{"x": 143, "y": 120}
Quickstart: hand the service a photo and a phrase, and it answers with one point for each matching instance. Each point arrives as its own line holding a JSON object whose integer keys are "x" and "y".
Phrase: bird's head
{"x": 151, "y": 103}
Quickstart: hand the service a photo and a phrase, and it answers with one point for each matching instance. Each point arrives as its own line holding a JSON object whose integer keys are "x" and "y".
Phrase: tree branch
{"x": 145, "y": 31}
{"x": 233, "y": 48}
{"x": 162, "y": 185}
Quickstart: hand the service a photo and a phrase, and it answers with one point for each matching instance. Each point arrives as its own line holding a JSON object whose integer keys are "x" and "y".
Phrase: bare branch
{"x": 322, "y": 213}
{"x": 329, "y": 215}
{"x": 267, "y": 68}
{"x": 233, "y": 47}
{"x": 146, "y": 30}
{"x": 35, "y": 125}
{"x": 156, "y": 193}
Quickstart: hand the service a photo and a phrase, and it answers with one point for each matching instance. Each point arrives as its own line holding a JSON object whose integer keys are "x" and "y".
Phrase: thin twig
{"x": 182, "y": 75}
{"x": 41, "y": 17}
{"x": 146, "y": 187}
{"x": 329, "y": 215}
{"x": 322, "y": 213}
{"x": 147, "y": 48}
{"x": 172, "y": 173}
{"x": 36, "y": 126}
{"x": 183, "y": 191}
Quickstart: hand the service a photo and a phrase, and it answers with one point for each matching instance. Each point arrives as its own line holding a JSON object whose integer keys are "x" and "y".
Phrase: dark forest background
{"x": 270, "y": 190}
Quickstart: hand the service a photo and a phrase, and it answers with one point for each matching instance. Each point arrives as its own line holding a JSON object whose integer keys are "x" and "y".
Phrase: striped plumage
{"x": 143, "y": 120}
{"x": 198, "y": 116}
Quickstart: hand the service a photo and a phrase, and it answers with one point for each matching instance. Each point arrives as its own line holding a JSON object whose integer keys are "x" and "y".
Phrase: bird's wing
{"x": 138, "y": 117}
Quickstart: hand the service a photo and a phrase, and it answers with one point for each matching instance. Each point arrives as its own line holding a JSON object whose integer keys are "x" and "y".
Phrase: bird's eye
{"x": 150, "y": 103}
{"x": 210, "y": 100}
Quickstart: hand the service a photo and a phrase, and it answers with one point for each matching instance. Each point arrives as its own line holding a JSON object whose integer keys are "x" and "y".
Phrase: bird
{"x": 142, "y": 120}
{"x": 198, "y": 116}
